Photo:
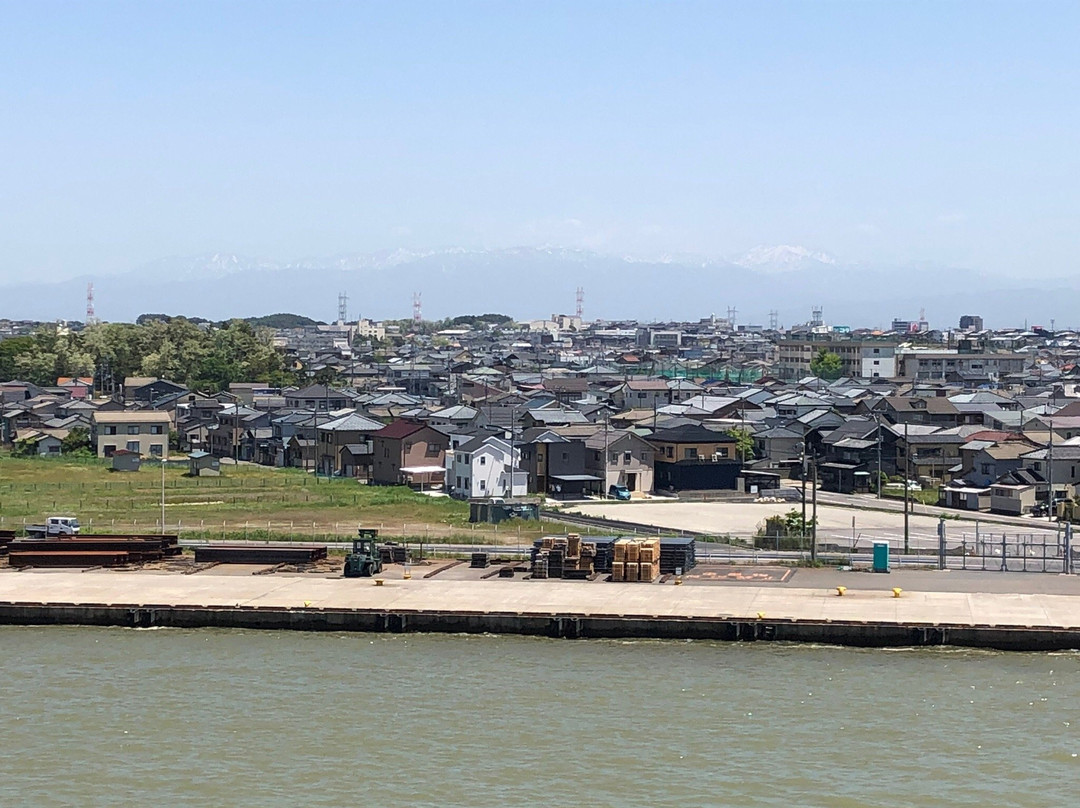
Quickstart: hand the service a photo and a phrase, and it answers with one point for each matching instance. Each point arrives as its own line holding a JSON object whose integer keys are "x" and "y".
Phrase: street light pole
{"x": 907, "y": 489}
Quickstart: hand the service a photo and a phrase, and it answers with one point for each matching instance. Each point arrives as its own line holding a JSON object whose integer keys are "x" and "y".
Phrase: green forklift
{"x": 364, "y": 561}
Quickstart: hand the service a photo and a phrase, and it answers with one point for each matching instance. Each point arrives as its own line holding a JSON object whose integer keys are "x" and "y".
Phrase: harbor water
{"x": 114, "y": 717}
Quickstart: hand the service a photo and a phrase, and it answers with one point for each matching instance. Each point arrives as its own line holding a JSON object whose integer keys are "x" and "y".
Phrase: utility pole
{"x": 813, "y": 519}
{"x": 163, "y": 495}
{"x": 605, "y": 462}
{"x": 877, "y": 419}
{"x": 907, "y": 490}
{"x": 803, "y": 461}
{"x": 1051, "y": 509}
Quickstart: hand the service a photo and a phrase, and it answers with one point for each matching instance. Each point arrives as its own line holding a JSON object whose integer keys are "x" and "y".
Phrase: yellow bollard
{"x": 896, "y": 591}
{"x": 378, "y": 582}
{"x": 840, "y": 590}
{"x": 406, "y": 573}
{"x": 761, "y": 615}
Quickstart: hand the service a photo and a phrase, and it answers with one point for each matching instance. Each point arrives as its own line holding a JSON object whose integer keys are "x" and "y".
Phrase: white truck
{"x": 54, "y": 526}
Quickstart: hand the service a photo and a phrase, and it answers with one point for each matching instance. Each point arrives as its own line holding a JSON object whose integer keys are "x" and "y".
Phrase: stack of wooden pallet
{"x": 636, "y": 560}
{"x": 569, "y": 557}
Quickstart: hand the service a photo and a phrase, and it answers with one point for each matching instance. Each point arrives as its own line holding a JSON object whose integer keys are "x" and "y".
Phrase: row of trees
{"x": 203, "y": 358}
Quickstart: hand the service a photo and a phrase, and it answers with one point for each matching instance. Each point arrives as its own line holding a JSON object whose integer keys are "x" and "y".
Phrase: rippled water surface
{"x": 108, "y": 717}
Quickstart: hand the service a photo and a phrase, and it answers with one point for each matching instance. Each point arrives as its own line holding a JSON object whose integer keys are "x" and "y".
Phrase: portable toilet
{"x": 881, "y": 556}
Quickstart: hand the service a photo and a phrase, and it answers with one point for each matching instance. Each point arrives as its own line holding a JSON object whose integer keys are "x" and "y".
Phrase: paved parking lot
{"x": 835, "y": 524}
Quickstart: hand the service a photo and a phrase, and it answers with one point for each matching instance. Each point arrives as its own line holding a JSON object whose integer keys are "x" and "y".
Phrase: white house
{"x": 481, "y": 470}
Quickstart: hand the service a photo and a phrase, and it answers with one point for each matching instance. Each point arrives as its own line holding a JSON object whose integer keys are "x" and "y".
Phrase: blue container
{"x": 881, "y": 556}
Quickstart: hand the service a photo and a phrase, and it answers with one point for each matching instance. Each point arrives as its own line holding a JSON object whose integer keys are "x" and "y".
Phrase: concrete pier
{"x": 870, "y": 617}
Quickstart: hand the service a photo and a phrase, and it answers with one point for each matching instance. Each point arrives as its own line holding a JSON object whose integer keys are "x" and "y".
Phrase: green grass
{"x": 247, "y": 500}
{"x": 924, "y": 497}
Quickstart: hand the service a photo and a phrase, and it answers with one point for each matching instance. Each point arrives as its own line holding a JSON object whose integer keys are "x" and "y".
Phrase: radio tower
{"x": 774, "y": 320}
{"x": 417, "y": 311}
{"x": 342, "y": 308}
{"x": 91, "y": 317}
{"x": 580, "y": 310}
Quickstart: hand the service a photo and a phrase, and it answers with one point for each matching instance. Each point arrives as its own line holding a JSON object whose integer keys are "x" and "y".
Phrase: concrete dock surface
{"x": 869, "y": 599}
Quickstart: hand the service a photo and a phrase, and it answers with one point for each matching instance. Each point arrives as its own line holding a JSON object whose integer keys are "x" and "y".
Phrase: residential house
{"x": 694, "y": 457}
{"x": 555, "y": 464}
{"x": 409, "y": 453}
{"x": 352, "y": 432}
{"x": 620, "y": 457}
{"x": 145, "y": 432}
{"x": 486, "y": 467}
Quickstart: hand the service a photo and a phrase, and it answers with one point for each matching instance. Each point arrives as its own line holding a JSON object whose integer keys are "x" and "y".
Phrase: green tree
{"x": 827, "y": 365}
{"x": 744, "y": 443}
{"x": 9, "y": 350}
{"x": 76, "y": 443}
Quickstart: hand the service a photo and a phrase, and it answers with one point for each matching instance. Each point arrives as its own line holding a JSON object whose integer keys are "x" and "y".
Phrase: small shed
{"x": 752, "y": 481}
{"x": 203, "y": 464}
{"x": 125, "y": 460}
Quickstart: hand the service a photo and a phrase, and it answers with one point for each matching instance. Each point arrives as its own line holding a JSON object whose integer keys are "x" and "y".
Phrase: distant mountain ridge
{"x": 535, "y": 282}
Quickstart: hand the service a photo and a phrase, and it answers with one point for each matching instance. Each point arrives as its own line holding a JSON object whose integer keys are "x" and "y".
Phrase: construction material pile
{"x": 393, "y": 553}
{"x": 636, "y": 560}
{"x": 6, "y": 538}
{"x": 260, "y": 553}
{"x": 91, "y": 551}
{"x": 480, "y": 561}
{"x": 569, "y": 558}
{"x": 677, "y": 554}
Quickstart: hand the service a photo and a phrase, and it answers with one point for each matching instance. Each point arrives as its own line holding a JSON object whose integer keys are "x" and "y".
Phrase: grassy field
{"x": 246, "y": 501}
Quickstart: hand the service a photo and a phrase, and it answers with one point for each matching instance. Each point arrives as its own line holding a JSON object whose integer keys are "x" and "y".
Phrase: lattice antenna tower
{"x": 343, "y": 307}
{"x": 774, "y": 320}
{"x": 91, "y": 315}
{"x": 417, "y": 309}
{"x": 580, "y": 308}
{"x": 731, "y": 312}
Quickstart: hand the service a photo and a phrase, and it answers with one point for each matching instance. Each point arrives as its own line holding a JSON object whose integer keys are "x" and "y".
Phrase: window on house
{"x": 155, "y": 449}
{"x": 408, "y": 446}
{"x": 433, "y": 450}
{"x": 133, "y": 430}
{"x": 690, "y": 454}
{"x": 109, "y": 430}
{"x": 641, "y": 396}
{"x": 565, "y": 456}
{"x": 155, "y": 429}
{"x": 670, "y": 451}
{"x": 133, "y": 446}
{"x": 614, "y": 457}
{"x": 459, "y": 461}
{"x": 109, "y": 450}
{"x": 626, "y": 458}
{"x": 483, "y": 462}
{"x": 483, "y": 485}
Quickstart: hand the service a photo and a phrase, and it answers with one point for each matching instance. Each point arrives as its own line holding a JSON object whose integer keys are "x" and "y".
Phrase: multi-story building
{"x": 142, "y": 431}
{"x": 954, "y": 365}
{"x": 796, "y": 354}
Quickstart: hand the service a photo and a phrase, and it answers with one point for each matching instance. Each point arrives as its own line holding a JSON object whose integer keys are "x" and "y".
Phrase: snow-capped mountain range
{"x": 534, "y": 282}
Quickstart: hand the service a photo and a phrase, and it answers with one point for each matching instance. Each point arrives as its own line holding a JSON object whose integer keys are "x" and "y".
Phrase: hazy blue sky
{"x": 884, "y": 132}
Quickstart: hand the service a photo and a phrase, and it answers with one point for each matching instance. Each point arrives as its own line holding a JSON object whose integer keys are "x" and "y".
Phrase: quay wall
{"x": 875, "y": 634}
